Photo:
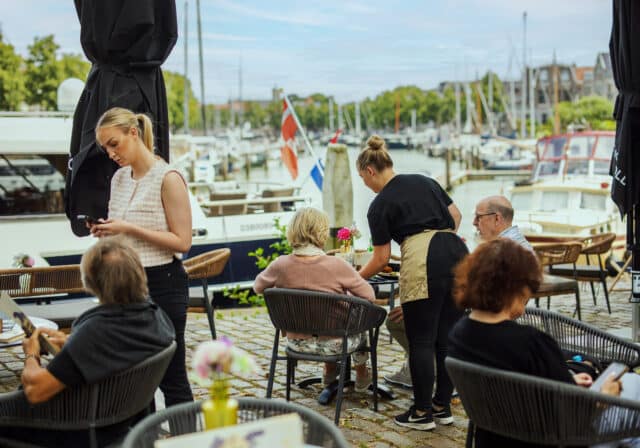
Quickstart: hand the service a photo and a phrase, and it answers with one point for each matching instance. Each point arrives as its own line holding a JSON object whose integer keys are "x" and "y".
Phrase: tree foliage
{"x": 593, "y": 112}
{"x": 12, "y": 88}
{"x": 43, "y": 74}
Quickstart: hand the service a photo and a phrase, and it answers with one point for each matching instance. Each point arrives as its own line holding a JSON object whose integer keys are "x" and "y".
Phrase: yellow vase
{"x": 220, "y": 410}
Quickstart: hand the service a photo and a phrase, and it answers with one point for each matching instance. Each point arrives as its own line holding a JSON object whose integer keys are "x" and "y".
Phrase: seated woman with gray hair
{"x": 308, "y": 267}
{"x": 123, "y": 330}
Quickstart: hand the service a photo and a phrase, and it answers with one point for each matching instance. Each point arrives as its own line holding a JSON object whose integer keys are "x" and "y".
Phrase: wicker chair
{"x": 203, "y": 267}
{"x": 92, "y": 406}
{"x": 575, "y": 336}
{"x": 538, "y": 410}
{"x": 40, "y": 282}
{"x": 595, "y": 246}
{"x": 558, "y": 253}
{"x": 317, "y": 430}
{"x": 323, "y": 314}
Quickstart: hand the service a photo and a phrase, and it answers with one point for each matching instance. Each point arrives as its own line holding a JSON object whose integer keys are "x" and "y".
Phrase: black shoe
{"x": 443, "y": 416}
{"x": 411, "y": 419}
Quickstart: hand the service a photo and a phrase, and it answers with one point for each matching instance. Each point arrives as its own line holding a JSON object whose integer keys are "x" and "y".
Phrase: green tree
{"x": 43, "y": 73}
{"x": 12, "y": 87}
{"x": 175, "y": 84}
{"x": 74, "y": 66}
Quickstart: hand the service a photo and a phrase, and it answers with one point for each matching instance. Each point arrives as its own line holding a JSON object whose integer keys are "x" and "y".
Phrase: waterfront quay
{"x": 251, "y": 329}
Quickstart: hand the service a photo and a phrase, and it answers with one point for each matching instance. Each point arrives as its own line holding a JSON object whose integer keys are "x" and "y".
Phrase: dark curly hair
{"x": 491, "y": 277}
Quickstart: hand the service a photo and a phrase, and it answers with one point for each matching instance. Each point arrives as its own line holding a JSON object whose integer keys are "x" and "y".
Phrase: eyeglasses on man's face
{"x": 477, "y": 216}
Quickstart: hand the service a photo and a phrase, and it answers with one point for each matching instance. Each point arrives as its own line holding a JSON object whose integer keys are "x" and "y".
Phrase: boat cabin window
{"x": 602, "y": 155}
{"x": 592, "y": 201}
{"x": 580, "y": 147}
{"x": 549, "y": 168}
{"x": 554, "y": 200}
{"x": 578, "y": 167}
{"x": 522, "y": 200}
{"x": 555, "y": 148}
{"x": 30, "y": 185}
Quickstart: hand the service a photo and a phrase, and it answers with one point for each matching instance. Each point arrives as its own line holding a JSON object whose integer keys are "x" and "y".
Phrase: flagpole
{"x": 304, "y": 135}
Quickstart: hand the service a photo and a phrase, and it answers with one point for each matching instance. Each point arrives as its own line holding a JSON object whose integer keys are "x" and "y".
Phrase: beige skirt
{"x": 413, "y": 265}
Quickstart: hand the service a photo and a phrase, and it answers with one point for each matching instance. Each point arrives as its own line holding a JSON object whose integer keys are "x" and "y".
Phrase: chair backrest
{"x": 321, "y": 313}
{"x": 207, "y": 264}
{"x": 576, "y": 336}
{"x": 38, "y": 281}
{"x": 276, "y": 206}
{"x": 187, "y": 418}
{"x": 539, "y": 410}
{"x": 231, "y": 209}
{"x": 598, "y": 244}
{"x": 558, "y": 253}
{"x": 110, "y": 401}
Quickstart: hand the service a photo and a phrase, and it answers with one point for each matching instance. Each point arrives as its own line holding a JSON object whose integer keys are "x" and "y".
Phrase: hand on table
{"x": 611, "y": 386}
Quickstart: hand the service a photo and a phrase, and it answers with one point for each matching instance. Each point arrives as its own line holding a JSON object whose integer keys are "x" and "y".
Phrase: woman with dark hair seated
{"x": 123, "y": 330}
{"x": 496, "y": 282}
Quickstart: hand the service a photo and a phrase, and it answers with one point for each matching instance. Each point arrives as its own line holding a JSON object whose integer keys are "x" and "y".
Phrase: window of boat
{"x": 548, "y": 168}
{"x": 521, "y": 200}
{"x": 580, "y": 147}
{"x": 30, "y": 185}
{"x": 578, "y": 167}
{"x": 602, "y": 154}
{"x": 554, "y": 200}
{"x": 555, "y": 148}
{"x": 592, "y": 201}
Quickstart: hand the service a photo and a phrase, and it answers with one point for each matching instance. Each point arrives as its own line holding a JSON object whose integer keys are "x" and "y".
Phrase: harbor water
{"x": 465, "y": 195}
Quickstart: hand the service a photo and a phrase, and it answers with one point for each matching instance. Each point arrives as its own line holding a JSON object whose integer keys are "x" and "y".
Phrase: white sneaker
{"x": 401, "y": 378}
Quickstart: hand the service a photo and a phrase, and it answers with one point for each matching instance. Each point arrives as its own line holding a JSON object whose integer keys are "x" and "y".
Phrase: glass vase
{"x": 347, "y": 251}
{"x": 220, "y": 410}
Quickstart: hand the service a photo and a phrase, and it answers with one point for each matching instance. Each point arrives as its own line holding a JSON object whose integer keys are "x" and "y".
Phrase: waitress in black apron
{"x": 415, "y": 212}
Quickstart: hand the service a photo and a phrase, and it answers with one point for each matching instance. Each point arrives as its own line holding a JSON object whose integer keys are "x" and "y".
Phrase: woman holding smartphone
{"x": 149, "y": 204}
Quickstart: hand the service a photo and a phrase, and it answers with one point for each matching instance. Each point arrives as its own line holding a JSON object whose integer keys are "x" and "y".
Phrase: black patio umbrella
{"x": 126, "y": 42}
{"x": 625, "y": 163}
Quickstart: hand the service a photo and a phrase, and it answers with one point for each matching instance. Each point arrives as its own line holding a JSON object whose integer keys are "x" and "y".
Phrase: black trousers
{"x": 169, "y": 288}
{"x": 428, "y": 322}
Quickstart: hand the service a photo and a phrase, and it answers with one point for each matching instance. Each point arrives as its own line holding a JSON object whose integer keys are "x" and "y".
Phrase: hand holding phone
{"x": 88, "y": 220}
{"x": 614, "y": 371}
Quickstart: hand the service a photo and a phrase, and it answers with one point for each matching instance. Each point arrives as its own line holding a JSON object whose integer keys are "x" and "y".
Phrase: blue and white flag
{"x": 317, "y": 173}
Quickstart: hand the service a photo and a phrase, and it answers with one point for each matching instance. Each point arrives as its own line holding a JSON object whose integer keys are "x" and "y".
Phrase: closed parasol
{"x": 126, "y": 41}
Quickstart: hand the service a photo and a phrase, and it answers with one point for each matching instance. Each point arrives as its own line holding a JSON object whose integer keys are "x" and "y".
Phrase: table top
{"x": 37, "y": 322}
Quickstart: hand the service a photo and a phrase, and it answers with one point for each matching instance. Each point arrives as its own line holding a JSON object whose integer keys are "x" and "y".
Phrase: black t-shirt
{"x": 507, "y": 346}
{"x": 408, "y": 204}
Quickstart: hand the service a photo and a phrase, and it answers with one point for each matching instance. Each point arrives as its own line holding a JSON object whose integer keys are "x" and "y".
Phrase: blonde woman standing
{"x": 415, "y": 212}
{"x": 149, "y": 205}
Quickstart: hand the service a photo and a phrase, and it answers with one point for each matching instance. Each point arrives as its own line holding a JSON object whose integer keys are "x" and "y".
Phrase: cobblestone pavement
{"x": 251, "y": 330}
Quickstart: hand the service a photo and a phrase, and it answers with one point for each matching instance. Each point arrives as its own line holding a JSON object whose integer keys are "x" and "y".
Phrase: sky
{"x": 348, "y": 49}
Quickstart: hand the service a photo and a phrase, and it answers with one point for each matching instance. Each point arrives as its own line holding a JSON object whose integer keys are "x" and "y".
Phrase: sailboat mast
{"x": 523, "y": 91}
{"x": 203, "y": 109}
{"x": 185, "y": 103}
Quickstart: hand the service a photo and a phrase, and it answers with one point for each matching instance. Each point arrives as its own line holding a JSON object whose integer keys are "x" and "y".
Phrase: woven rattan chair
{"x": 579, "y": 337}
{"x": 323, "y": 314}
{"x": 179, "y": 419}
{"x": 593, "y": 246}
{"x": 538, "y": 410}
{"x": 92, "y": 406}
{"x": 552, "y": 285}
{"x": 44, "y": 281}
{"x": 203, "y": 267}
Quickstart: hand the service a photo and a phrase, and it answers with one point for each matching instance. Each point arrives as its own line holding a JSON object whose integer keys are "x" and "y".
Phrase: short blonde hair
{"x": 308, "y": 226}
{"x": 124, "y": 119}
{"x": 112, "y": 271}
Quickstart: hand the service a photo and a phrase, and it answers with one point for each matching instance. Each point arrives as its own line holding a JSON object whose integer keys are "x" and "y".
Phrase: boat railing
{"x": 254, "y": 201}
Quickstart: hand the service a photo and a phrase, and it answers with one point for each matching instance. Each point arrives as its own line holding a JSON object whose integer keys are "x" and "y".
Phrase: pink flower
{"x": 344, "y": 234}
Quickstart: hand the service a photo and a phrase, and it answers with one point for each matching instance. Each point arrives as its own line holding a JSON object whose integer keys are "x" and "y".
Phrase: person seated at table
{"x": 493, "y": 219}
{"x": 123, "y": 330}
{"x": 308, "y": 267}
{"x": 496, "y": 282}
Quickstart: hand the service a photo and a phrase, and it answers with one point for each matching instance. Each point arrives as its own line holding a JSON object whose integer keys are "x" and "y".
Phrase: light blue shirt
{"x": 513, "y": 233}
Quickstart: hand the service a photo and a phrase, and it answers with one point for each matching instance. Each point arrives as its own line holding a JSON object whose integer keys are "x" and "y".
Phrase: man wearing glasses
{"x": 493, "y": 219}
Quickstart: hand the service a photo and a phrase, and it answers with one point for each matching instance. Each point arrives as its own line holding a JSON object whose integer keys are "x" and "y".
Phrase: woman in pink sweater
{"x": 308, "y": 267}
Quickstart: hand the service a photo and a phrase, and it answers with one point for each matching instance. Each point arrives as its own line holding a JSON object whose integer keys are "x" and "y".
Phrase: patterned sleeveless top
{"x": 140, "y": 202}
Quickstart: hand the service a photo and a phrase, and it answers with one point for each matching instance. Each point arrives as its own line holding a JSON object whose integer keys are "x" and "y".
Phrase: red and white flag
{"x": 288, "y": 152}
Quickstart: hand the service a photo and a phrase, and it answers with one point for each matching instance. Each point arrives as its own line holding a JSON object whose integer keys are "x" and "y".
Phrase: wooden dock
{"x": 468, "y": 175}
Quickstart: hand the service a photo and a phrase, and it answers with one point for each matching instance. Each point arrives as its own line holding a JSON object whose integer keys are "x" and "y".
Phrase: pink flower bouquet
{"x": 213, "y": 358}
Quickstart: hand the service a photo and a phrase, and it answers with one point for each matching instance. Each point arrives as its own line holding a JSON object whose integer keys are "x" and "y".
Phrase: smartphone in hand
{"x": 88, "y": 220}
{"x": 616, "y": 368}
